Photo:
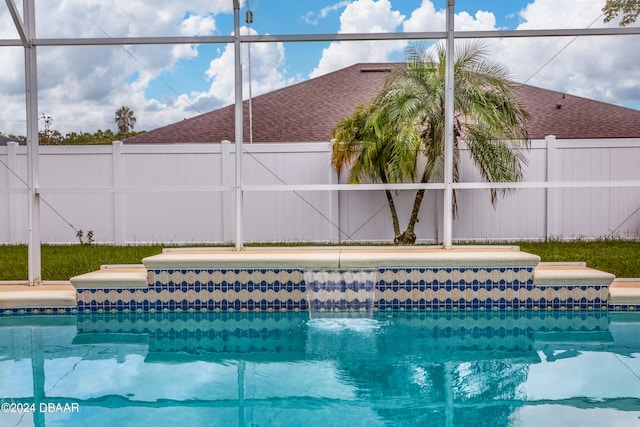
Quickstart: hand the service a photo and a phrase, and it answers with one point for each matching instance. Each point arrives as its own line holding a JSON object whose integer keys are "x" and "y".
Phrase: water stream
{"x": 340, "y": 293}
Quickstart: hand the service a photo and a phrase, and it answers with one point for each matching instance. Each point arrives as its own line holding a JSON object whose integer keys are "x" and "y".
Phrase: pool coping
{"x": 47, "y": 295}
{"x": 132, "y": 276}
{"x": 340, "y": 257}
{"x": 623, "y": 293}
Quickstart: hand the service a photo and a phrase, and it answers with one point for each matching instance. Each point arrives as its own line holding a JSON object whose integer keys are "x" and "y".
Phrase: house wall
{"x": 151, "y": 210}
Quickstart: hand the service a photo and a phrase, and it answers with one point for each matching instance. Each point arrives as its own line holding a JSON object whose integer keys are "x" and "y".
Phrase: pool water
{"x": 444, "y": 368}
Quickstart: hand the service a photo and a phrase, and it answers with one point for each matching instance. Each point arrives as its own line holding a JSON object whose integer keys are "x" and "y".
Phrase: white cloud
{"x": 267, "y": 73}
{"x": 427, "y": 18}
{"x": 325, "y": 11}
{"x": 480, "y": 21}
{"x": 312, "y": 18}
{"x": 560, "y": 14}
{"x": 122, "y": 18}
{"x": 198, "y": 25}
{"x": 81, "y": 87}
{"x": 602, "y": 67}
{"x": 362, "y": 16}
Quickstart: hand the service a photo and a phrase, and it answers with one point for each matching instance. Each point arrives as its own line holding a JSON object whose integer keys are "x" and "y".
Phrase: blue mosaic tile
{"x": 146, "y": 299}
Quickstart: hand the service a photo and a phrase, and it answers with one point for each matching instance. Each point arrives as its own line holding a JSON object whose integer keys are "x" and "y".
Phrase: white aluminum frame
{"x": 447, "y": 214}
{"x": 29, "y": 41}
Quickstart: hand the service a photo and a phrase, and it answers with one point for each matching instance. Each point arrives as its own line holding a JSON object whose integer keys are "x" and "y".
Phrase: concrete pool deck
{"x": 49, "y": 294}
{"x": 134, "y": 278}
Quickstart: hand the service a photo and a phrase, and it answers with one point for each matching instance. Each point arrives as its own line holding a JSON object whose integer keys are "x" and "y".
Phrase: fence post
{"x": 552, "y": 194}
{"x": 13, "y": 183}
{"x": 226, "y": 202}
{"x": 335, "y": 234}
{"x": 118, "y": 201}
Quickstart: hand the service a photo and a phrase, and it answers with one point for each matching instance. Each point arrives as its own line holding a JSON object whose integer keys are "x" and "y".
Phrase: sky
{"x": 80, "y": 88}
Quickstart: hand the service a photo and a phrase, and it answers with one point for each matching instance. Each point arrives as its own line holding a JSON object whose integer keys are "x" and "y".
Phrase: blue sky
{"x": 81, "y": 87}
{"x": 305, "y": 17}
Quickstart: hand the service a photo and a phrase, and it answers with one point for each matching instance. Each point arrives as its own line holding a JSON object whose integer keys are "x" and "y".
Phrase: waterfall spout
{"x": 340, "y": 293}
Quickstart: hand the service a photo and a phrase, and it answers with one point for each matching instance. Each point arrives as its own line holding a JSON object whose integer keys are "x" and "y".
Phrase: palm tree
{"x": 358, "y": 144}
{"x": 125, "y": 119}
{"x": 408, "y": 117}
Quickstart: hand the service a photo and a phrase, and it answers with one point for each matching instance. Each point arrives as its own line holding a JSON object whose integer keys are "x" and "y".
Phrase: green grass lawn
{"x": 60, "y": 262}
{"x": 619, "y": 257}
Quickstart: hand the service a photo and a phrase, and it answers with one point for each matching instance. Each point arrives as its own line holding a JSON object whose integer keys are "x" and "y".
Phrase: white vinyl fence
{"x": 185, "y": 193}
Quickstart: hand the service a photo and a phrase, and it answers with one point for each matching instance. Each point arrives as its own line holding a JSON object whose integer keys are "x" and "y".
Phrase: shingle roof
{"x": 308, "y": 111}
{"x": 573, "y": 117}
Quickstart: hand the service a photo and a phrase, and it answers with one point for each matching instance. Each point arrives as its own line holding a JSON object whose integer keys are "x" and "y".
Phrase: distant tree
{"x": 85, "y": 138}
{"x": 630, "y": 9}
{"x": 49, "y": 136}
{"x": 47, "y": 121}
{"x": 52, "y": 137}
{"x": 73, "y": 138}
{"x": 125, "y": 119}
{"x": 103, "y": 137}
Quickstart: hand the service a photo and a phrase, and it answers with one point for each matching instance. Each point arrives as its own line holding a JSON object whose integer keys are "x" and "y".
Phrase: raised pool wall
{"x": 406, "y": 279}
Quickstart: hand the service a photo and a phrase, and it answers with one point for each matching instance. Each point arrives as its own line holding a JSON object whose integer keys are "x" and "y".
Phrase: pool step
{"x": 625, "y": 292}
{"x": 48, "y": 295}
{"x": 131, "y": 276}
{"x": 569, "y": 274}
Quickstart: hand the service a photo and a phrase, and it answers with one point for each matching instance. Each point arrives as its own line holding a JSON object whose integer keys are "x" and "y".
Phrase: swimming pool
{"x": 449, "y": 368}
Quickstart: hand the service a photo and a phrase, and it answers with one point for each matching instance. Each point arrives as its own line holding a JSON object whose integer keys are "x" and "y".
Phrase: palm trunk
{"x": 409, "y": 236}
{"x": 392, "y": 207}
{"x": 394, "y": 215}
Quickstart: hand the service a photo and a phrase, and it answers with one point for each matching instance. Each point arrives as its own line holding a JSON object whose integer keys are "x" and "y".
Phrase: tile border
{"x": 396, "y": 288}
